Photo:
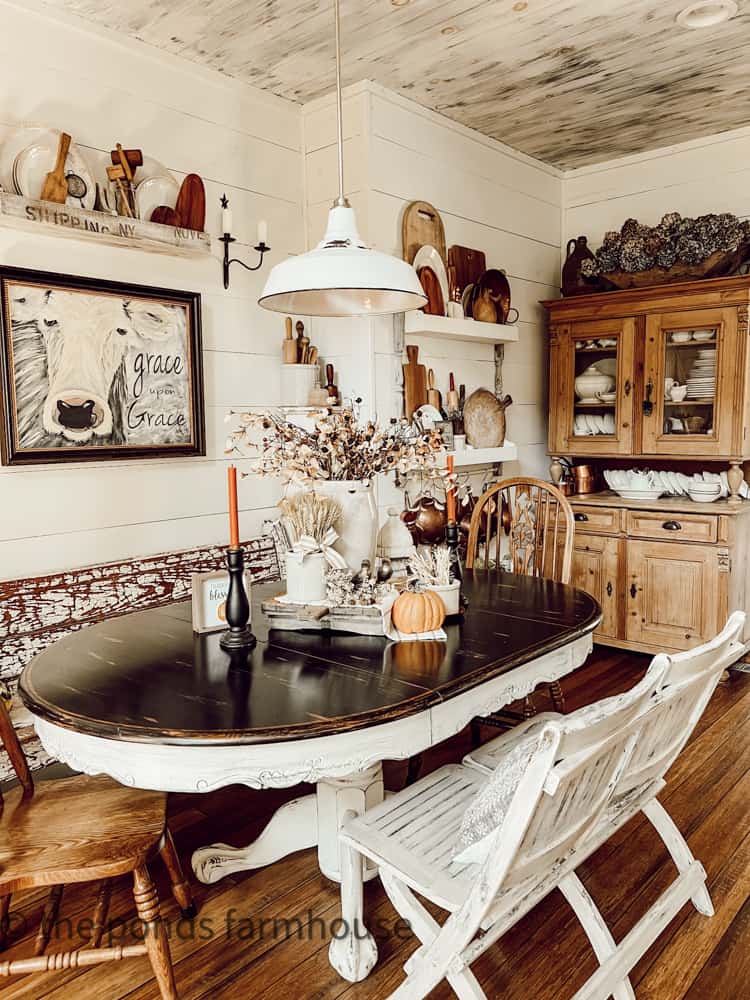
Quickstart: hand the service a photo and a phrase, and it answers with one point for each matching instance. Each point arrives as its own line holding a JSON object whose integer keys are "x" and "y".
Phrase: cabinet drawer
{"x": 597, "y": 520}
{"x": 672, "y": 527}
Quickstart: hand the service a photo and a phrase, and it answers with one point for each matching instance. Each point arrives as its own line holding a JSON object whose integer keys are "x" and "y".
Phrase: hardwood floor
{"x": 246, "y": 941}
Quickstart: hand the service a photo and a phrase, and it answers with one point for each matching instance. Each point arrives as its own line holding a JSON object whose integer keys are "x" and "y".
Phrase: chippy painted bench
{"x": 488, "y": 839}
{"x": 35, "y": 612}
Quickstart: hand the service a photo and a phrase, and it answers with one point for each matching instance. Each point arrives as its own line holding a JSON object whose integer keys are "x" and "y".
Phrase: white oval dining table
{"x": 146, "y": 701}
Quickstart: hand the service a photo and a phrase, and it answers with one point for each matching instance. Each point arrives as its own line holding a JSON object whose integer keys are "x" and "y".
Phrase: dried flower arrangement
{"x": 431, "y": 567}
{"x": 340, "y": 447}
{"x": 674, "y": 242}
{"x": 309, "y": 515}
{"x": 346, "y": 589}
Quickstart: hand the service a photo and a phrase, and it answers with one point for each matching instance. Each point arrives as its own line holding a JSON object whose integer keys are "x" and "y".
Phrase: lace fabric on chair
{"x": 488, "y": 810}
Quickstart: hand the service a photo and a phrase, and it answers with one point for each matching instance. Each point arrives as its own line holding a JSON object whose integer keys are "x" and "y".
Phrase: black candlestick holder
{"x": 238, "y": 635}
{"x": 454, "y": 560}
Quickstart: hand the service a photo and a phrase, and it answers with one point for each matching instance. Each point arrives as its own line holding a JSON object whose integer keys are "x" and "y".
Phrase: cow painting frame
{"x": 97, "y": 370}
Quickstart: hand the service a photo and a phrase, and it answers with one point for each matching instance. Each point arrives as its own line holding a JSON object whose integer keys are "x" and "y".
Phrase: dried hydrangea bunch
{"x": 344, "y": 590}
{"x": 675, "y": 240}
{"x": 307, "y": 514}
{"x": 339, "y": 447}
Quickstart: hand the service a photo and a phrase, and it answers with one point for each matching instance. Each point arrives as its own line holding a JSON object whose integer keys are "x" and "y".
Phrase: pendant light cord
{"x": 341, "y": 200}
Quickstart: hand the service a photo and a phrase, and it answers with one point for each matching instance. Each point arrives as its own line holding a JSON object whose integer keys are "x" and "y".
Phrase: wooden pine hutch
{"x": 666, "y": 572}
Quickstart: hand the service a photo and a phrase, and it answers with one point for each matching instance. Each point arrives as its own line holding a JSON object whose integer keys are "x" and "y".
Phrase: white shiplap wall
{"x": 240, "y": 141}
{"x": 489, "y": 197}
{"x": 705, "y": 175}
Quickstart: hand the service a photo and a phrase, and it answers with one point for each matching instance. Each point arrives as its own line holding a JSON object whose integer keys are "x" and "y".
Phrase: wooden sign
{"x": 114, "y": 230}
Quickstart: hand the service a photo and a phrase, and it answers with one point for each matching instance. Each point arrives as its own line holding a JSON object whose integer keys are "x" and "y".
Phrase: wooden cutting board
{"x": 470, "y": 265}
{"x": 415, "y": 382}
{"x": 191, "y": 204}
{"x": 422, "y": 226}
{"x": 431, "y": 285}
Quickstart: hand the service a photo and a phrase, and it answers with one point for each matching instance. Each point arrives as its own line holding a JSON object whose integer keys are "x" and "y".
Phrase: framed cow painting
{"x": 98, "y": 370}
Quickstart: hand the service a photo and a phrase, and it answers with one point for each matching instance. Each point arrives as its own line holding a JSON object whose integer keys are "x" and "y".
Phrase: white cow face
{"x": 86, "y": 338}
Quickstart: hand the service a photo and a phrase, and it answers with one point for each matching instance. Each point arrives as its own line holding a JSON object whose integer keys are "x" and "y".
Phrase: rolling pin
{"x": 289, "y": 346}
{"x": 452, "y": 403}
{"x": 433, "y": 394}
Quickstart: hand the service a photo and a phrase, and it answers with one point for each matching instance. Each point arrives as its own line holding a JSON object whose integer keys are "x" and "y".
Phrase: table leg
{"x": 312, "y": 821}
{"x": 292, "y": 828}
{"x": 307, "y": 822}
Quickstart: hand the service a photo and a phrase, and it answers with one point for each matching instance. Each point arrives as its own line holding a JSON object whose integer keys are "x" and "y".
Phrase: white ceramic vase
{"x": 357, "y": 527}
{"x": 306, "y": 580}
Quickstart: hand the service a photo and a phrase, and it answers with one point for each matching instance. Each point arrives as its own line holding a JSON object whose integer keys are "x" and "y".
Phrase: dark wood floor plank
{"x": 677, "y": 962}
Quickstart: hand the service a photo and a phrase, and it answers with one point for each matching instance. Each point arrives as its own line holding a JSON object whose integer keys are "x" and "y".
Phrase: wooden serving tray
{"x": 362, "y": 619}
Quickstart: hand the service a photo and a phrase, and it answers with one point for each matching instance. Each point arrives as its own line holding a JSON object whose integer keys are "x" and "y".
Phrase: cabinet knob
{"x": 580, "y": 516}
{"x": 609, "y": 589}
{"x": 633, "y": 591}
{"x": 672, "y": 526}
{"x": 627, "y": 387}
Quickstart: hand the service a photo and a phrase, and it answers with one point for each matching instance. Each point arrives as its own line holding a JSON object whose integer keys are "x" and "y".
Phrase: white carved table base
{"x": 311, "y": 821}
{"x": 346, "y": 768}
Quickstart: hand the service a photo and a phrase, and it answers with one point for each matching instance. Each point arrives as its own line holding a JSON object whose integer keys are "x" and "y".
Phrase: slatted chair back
{"x": 592, "y": 752}
{"x": 14, "y": 750}
{"x": 537, "y": 521}
{"x": 574, "y": 764}
{"x": 689, "y": 682}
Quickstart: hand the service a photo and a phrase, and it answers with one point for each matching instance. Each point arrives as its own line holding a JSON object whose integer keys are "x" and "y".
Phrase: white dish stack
{"x": 701, "y": 380}
{"x": 642, "y": 484}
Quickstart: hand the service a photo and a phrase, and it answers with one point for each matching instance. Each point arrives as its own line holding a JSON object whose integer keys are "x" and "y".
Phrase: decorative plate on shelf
{"x": 29, "y": 154}
{"x": 151, "y": 192}
{"x": 428, "y": 256}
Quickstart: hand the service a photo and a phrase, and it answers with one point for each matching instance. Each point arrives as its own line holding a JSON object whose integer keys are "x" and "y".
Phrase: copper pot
{"x": 586, "y": 486}
{"x": 584, "y": 479}
{"x": 426, "y": 521}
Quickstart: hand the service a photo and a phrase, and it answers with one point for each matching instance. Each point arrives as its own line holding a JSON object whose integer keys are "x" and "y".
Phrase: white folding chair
{"x": 539, "y": 808}
{"x": 669, "y": 717}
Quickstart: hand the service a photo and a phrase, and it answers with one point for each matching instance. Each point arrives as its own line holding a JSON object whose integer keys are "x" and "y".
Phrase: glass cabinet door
{"x": 686, "y": 404}
{"x": 598, "y": 384}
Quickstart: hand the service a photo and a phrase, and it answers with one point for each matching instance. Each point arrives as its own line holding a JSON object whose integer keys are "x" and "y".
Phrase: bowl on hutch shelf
{"x": 682, "y": 336}
{"x": 703, "y": 335}
{"x": 704, "y": 492}
{"x": 591, "y": 382}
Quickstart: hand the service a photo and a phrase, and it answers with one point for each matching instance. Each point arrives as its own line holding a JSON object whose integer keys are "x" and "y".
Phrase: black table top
{"x": 147, "y": 677}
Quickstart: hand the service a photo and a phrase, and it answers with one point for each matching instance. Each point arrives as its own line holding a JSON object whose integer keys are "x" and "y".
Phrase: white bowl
{"x": 682, "y": 336}
{"x": 701, "y": 496}
{"x": 703, "y": 335}
{"x": 588, "y": 384}
{"x": 633, "y": 494}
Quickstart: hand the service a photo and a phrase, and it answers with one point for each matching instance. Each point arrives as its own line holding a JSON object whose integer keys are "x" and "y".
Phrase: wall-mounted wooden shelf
{"x": 459, "y": 329}
{"x": 114, "y": 230}
{"x": 467, "y": 457}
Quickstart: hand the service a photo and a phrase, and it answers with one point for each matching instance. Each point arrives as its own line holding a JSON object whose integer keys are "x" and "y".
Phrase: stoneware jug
{"x": 573, "y": 282}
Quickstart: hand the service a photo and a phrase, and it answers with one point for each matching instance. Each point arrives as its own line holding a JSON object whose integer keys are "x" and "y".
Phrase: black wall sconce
{"x": 226, "y": 239}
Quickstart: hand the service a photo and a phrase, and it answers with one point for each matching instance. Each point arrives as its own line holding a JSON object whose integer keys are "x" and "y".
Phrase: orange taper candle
{"x": 451, "y": 494}
{"x": 234, "y": 523}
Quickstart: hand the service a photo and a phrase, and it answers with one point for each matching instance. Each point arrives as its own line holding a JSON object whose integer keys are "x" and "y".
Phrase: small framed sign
{"x": 209, "y": 600}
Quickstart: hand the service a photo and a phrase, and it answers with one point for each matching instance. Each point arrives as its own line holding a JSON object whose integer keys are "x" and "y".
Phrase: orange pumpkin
{"x": 418, "y": 612}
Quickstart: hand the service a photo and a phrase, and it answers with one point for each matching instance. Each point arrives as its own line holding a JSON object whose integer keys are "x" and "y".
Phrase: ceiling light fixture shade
{"x": 342, "y": 276}
{"x": 707, "y": 13}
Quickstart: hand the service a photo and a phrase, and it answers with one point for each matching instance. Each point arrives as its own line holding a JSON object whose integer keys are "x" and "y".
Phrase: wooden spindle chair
{"x": 530, "y": 524}
{"x": 84, "y": 829}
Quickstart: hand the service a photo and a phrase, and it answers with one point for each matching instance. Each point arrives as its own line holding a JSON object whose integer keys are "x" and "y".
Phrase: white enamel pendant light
{"x": 342, "y": 276}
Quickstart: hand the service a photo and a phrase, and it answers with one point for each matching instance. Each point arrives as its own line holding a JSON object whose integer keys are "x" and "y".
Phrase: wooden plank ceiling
{"x": 569, "y": 81}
